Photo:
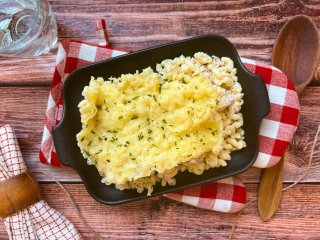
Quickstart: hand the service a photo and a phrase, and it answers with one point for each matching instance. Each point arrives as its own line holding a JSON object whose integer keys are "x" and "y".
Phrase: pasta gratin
{"x": 143, "y": 128}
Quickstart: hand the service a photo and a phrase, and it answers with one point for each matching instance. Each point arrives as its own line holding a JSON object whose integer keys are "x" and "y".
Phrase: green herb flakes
{"x": 154, "y": 98}
{"x": 140, "y": 136}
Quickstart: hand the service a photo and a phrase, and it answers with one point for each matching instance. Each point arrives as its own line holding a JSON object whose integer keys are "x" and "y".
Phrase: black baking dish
{"x": 256, "y": 106}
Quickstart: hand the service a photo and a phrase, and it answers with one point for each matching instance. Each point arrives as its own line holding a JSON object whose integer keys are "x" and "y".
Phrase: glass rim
{"x": 18, "y": 41}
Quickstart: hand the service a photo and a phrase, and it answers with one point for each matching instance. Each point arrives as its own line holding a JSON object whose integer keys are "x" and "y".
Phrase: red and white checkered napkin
{"x": 227, "y": 195}
{"x": 38, "y": 221}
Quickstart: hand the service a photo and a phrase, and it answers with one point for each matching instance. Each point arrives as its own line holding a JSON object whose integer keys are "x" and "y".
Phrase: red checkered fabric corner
{"x": 226, "y": 195}
{"x": 275, "y": 133}
{"x": 38, "y": 221}
{"x": 278, "y": 127}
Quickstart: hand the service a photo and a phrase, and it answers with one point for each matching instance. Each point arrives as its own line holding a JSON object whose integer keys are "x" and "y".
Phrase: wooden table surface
{"x": 252, "y": 26}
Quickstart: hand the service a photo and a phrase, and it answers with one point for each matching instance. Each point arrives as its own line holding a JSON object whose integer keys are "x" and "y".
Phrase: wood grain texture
{"x": 24, "y": 109}
{"x": 296, "y": 51}
{"x": 270, "y": 190}
{"x": 17, "y": 193}
{"x": 160, "y": 218}
{"x": 251, "y": 25}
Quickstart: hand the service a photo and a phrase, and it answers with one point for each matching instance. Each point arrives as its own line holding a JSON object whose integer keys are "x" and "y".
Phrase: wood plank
{"x": 160, "y": 218}
{"x": 252, "y": 26}
{"x": 39, "y": 71}
{"x": 24, "y": 109}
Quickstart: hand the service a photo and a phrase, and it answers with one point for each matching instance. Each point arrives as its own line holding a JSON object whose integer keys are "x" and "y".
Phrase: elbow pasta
{"x": 171, "y": 89}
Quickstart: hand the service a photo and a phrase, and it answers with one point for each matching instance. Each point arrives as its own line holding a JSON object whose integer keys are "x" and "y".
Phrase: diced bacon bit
{"x": 225, "y": 102}
{"x": 171, "y": 181}
{"x": 196, "y": 160}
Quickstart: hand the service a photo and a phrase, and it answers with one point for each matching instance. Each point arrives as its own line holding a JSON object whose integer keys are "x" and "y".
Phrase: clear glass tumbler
{"x": 27, "y": 28}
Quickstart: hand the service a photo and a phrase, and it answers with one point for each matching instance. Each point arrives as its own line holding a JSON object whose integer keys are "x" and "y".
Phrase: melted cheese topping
{"x": 147, "y": 123}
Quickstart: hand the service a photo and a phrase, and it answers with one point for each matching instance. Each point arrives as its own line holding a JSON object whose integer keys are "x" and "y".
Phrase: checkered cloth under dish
{"x": 276, "y": 129}
{"x": 38, "y": 221}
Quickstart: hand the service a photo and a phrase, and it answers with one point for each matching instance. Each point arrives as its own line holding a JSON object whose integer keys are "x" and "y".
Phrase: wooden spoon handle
{"x": 270, "y": 190}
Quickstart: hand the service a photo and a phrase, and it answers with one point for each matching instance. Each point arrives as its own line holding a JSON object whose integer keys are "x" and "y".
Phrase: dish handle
{"x": 62, "y": 146}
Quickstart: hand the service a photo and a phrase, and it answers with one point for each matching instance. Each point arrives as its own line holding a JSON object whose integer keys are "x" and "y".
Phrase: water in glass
{"x": 27, "y": 27}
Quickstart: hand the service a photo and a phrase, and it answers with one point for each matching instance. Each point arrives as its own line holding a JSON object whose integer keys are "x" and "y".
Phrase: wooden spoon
{"x": 296, "y": 52}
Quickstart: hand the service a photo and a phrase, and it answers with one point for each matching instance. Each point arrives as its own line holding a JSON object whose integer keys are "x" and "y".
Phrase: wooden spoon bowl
{"x": 296, "y": 51}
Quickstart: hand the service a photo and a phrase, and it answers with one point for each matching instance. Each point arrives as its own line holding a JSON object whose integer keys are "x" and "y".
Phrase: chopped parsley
{"x": 149, "y": 131}
{"x": 140, "y": 136}
{"x": 99, "y": 152}
{"x": 82, "y": 139}
{"x": 134, "y": 117}
{"x": 217, "y": 102}
{"x": 120, "y": 117}
{"x": 183, "y": 81}
{"x": 187, "y": 135}
{"x": 160, "y": 86}
{"x": 93, "y": 132}
{"x": 113, "y": 139}
{"x": 136, "y": 97}
{"x": 154, "y": 98}
{"x": 164, "y": 121}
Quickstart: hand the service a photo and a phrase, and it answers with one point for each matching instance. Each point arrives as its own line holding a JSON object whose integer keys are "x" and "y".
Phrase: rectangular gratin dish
{"x": 256, "y": 106}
